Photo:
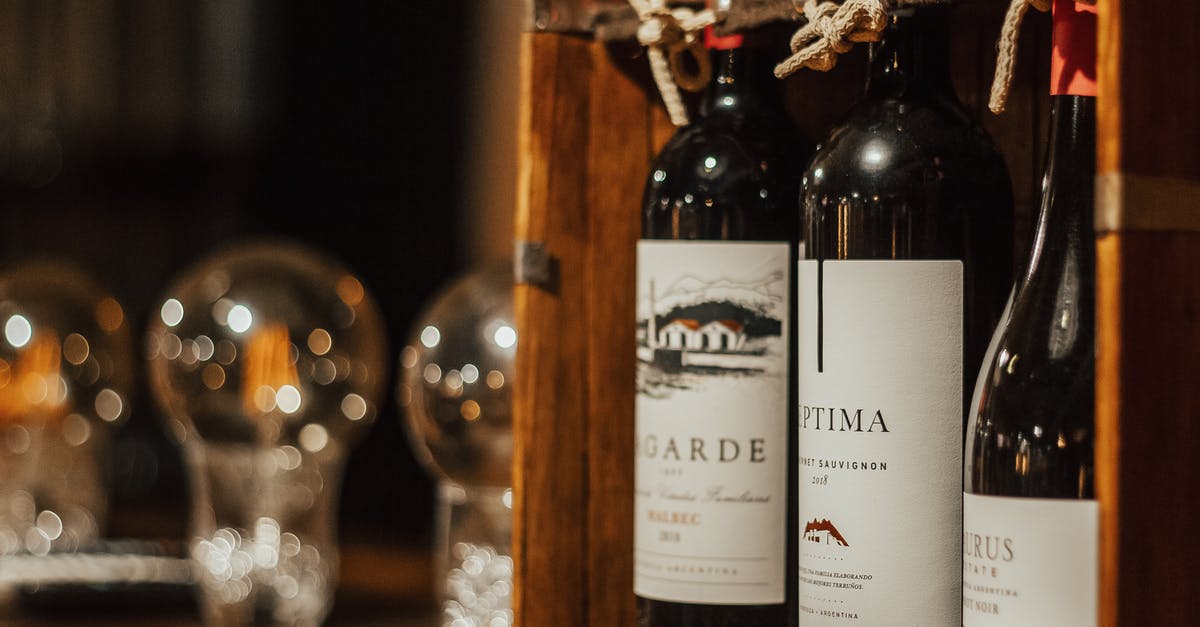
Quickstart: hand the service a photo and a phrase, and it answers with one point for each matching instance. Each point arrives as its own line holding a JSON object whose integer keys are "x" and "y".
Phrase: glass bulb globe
{"x": 65, "y": 381}
{"x": 268, "y": 361}
{"x": 456, "y": 386}
{"x": 456, "y": 380}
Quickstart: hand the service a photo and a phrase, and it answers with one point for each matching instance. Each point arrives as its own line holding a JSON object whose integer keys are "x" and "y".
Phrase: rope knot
{"x": 832, "y": 29}
{"x": 827, "y": 29}
{"x": 660, "y": 28}
{"x": 671, "y": 37}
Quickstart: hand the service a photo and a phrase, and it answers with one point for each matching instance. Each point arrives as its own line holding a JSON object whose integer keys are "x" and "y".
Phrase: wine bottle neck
{"x": 1064, "y": 236}
{"x": 740, "y": 80}
{"x": 914, "y": 53}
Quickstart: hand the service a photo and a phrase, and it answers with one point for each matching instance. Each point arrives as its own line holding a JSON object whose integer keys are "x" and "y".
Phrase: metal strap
{"x": 1133, "y": 202}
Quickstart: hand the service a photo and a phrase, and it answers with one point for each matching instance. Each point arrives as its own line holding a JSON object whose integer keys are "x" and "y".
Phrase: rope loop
{"x": 692, "y": 80}
{"x": 671, "y": 36}
{"x": 1006, "y": 50}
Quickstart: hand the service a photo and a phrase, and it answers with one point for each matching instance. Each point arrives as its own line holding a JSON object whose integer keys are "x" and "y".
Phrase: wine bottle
{"x": 713, "y": 375}
{"x": 907, "y": 228}
{"x": 1029, "y": 515}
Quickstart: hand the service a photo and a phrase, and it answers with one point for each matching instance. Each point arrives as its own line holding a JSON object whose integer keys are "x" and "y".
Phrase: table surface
{"x": 379, "y": 586}
{"x": 428, "y": 619}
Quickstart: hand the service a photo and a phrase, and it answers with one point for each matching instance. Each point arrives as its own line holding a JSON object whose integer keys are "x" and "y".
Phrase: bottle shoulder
{"x": 1031, "y": 433}
{"x": 1041, "y": 377}
{"x": 888, "y": 145}
{"x": 737, "y": 139}
{"x": 722, "y": 154}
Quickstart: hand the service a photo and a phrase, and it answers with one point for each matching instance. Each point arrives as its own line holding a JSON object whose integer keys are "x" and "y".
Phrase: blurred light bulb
{"x": 279, "y": 371}
{"x": 65, "y": 378}
{"x": 460, "y": 424}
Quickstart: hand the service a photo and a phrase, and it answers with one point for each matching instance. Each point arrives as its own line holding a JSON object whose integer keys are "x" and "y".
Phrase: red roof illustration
{"x": 687, "y": 322}
{"x": 732, "y": 325}
{"x": 825, "y": 525}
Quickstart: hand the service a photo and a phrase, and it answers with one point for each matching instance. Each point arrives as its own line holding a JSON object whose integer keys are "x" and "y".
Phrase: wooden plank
{"x": 618, "y": 156}
{"x": 1146, "y": 121}
{"x": 1148, "y": 301}
{"x": 1146, "y": 406}
{"x": 550, "y": 392}
{"x": 588, "y": 129}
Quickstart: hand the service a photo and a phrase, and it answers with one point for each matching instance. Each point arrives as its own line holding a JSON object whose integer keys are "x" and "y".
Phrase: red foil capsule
{"x": 1073, "y": 60}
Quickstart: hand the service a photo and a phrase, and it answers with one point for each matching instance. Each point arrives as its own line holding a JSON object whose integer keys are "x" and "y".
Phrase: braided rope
{"x": 831, "y": 30}
{"x": 1006, "y": 48}
{"x": 670, "y": 35}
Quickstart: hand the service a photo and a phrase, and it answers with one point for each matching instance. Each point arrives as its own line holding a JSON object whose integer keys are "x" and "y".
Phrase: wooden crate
{"x": 590, "y": 123}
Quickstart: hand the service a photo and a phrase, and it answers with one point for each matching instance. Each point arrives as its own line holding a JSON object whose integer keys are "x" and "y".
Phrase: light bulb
{"x": 456, "y": 376}
{"x": 65, "y": 380}
{"x": 268, "y": 361}
{"x": 456, "y": 388}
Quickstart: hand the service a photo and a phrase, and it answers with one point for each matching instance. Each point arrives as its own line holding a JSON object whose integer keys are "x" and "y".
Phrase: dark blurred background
{"x": 138, "y": 135}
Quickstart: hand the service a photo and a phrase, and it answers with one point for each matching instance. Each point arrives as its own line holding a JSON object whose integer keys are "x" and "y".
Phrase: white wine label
{"x": 1029, "y": 562}
{"x": 712, "y": 419}
{"x": 880, "y": 442}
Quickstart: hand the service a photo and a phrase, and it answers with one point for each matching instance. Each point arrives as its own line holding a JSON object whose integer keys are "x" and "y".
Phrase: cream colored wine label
{"x": 711, "y": 411}
{"x": 1029, "y": 562}
{"x": 879, "y": 431}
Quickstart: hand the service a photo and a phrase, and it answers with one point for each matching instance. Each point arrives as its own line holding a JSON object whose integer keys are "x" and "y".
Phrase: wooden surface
{"x": 550, "y": 425}
{"x": 621, "y": 142}
{"x": 1148, "y": 319}
{"x": 586, "y": 140}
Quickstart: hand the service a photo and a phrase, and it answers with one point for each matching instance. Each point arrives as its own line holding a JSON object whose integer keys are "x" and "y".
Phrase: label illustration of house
{"x": 705, "y": 329}
{"x": 823, "y": 532}
{"x": 691, "y": 334}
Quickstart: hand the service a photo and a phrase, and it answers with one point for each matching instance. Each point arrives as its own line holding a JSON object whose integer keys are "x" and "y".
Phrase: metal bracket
{"x": 1136, "y": 202}
{"x": 533, "y": 265}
